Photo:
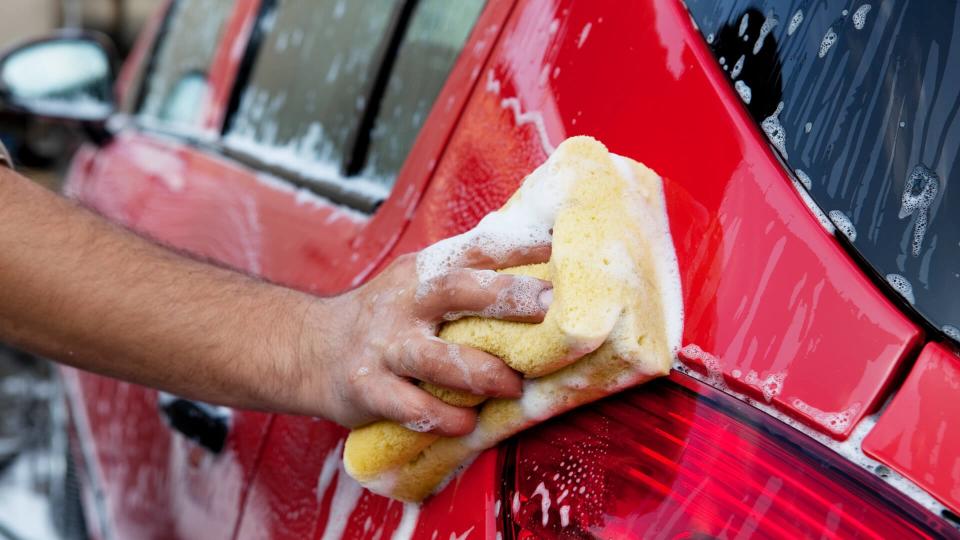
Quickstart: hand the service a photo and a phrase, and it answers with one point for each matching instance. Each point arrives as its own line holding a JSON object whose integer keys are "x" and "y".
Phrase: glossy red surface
{"x": 674, "y": 459}
{"x": 766, "y": 289}
{"x": 768, "y": 293}
{"x": 918, "y": 435}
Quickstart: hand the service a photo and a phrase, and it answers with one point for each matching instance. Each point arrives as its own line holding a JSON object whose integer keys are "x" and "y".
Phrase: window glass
{"x": 177, "y": 82}
{"x": 430, "y": 46}
{"x": 310, "y": 81}
{"x": 862, "y": 101}
{"x": 339, "y": 90}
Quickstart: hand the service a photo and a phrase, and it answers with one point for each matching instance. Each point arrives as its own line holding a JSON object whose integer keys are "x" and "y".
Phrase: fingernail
{"x": 546, "y": 298}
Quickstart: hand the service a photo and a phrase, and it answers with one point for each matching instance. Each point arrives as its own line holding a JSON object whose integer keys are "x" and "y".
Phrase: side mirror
{"x": 66, "y": 76}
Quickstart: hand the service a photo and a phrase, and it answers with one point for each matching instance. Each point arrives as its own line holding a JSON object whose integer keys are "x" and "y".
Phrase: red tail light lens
{"x": 677, "y": 459}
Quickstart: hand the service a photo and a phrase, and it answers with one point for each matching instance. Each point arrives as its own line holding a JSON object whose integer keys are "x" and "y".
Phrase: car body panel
{"x": 918, "y": 434}
{"x": 770, "y": 296}
{"x": 767, "y": 290}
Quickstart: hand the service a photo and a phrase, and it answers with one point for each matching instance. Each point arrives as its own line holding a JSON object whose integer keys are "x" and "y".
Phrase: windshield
{"x": 860, "y": 99}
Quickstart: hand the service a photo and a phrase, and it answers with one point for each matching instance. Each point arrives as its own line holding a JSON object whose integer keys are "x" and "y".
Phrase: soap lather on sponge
{"x": 615, "y": 320}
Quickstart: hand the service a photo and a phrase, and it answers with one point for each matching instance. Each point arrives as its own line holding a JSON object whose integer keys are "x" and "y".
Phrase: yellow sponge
{"x": 616, "y": 300}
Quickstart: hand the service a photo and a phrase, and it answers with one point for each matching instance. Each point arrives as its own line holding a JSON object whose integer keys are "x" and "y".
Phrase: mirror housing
{"x": 67, "y": 76}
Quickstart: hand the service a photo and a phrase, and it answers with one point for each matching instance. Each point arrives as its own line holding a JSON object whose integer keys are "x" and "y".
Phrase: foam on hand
{"x": 615, "y": 321}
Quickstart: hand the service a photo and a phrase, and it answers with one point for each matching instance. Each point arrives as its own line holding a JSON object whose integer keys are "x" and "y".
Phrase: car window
{"x": 338, "y": 90}
{"x": 430, "y": 46}
{"x": 177, "y": 78}
{"x": 861, "y": 100}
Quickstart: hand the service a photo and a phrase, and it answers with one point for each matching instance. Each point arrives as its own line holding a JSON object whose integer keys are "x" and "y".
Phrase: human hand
{"x": 379, "y": 339}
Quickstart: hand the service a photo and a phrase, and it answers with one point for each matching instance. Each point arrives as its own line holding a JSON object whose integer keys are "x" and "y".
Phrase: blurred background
{"x": 38, "y": 491}
{"x": 40, "y": 148}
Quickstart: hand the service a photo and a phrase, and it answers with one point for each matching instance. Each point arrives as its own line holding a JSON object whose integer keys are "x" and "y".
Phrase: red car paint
{"x": 919, "y": 433}
{"x": 766, "y": 289}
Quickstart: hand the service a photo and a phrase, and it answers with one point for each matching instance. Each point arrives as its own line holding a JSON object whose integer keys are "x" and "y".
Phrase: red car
{"x": 806, "y": 149}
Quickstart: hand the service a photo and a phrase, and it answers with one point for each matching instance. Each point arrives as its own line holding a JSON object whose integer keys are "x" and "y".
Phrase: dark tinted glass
{"x": 861, "y": 100}
{"x": 177, "y": 82}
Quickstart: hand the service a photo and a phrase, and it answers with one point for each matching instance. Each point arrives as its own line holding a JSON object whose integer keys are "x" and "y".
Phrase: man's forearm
{"x": 80, "y": 290}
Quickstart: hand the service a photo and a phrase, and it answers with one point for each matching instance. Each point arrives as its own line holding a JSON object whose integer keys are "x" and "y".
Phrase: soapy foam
{"x": 951, "y": 331}
{"x": 804, "y": 179}
{"x": 860, "y": 16}
{"x": 744, "y": 23}
{"x": 769, "y": 23}
{"x": 564, "y": 515}
{"x": 770, "y": 386}
{"x": 738, "y": 67}
{"x": 902, "y": 286}
{"x": 918, "y": 203}
{"x": 814, "y": 208}
{"x": 844, "y": 225}
{"x": 525, "y": 224}
{"x": 828, "y": 40}
{"x": 345, "y": 498}
{"x": 836, "y": 422}
{"x": 746, "y": 94}
{"x": 795, "y": 22}
{"x": 775, "y": 132}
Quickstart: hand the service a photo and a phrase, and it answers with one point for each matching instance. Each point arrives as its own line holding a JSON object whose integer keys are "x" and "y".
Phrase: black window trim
{"x": 335, "y": 190}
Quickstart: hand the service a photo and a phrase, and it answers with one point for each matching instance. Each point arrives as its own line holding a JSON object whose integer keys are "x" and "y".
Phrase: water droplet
{"x": 807, "y": 127}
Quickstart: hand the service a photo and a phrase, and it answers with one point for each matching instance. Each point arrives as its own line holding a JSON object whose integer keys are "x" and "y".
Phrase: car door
{"x": 428, "y": 68}
{"x": 149, "y": 481}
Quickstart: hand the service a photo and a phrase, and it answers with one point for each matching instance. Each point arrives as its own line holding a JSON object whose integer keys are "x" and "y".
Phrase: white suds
{"x": 951, "y": 331}
{"x": 564, "y": 515}
{"x": 828, "y": 40}
{"x": 423, "y": 425}
{"x": 808, "y": 127}
{"x": 902, "y": 286}
{"x": 408, "y": 522}
{"x": 738, "y": 67}
{"x": 769, "y": 23}
{"x": 795, "y": 22}
{"x": 330, "y": 464}
{"x": 835, "y": 422}
{"x": 496, "y": 509}
{"x": 744, "y": 91}
{"x": 710, "y": 362}
{"x": 804, "y": 179}
{"x": 516, "y": 502}
{"x": 775, "y": 132}
{"x": 860, "y": 16}
{"x": 744, "y": 22}
{"x": 544, "y": 503}
{"x": 844, "y": 224}
{"x": 584, "y": 34}
{"x": 814, "y": 208}
{"x": 770, "y": 387}
{"x": 918, "y": 203}
{"x": 345, "y": 498}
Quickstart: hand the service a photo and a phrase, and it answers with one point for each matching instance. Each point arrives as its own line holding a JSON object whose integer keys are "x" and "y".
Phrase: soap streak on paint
{"x": 408, "y": 522}
{"x": 795, "y": 22}
{"x": 521, "y": 118}
{"x": 583, "y": 34}
{"x": 544, "y": 503}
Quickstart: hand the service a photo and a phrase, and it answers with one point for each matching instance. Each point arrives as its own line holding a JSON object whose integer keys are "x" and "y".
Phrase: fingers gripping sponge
{"x": 615, "y": 320}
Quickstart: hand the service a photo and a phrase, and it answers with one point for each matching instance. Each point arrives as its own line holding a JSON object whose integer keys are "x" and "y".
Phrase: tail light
{"x": 678, "y": 459}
